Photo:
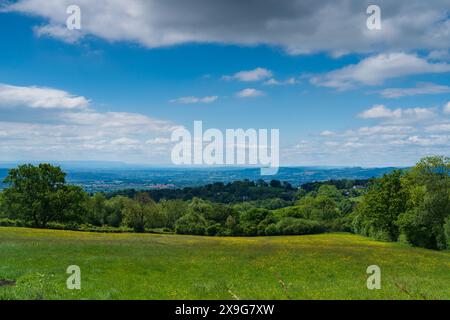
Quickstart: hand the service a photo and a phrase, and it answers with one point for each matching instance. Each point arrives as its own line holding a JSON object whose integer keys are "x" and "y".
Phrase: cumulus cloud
{"x": 157, "y": 141}
{"x": 56, "y": 126}
{"x": 257, "y": 74}
{"x": 442, "y": 127}
{"x": 443, "y": 55}
{"x": 39, "y": 98}
{"x": 401, "y": 143}
{"x": 249, "y": 93}
{"x": 421, "y": 88}
{"x": 406, "y": 115}
{"x": 327, "y": 133}
{"x": 275, "y": 82}
{"x": 375, "y": 70}
{"x": 192, "y": 100}
{"x": 447, "y": 108}
{"x": 306, "y": 26}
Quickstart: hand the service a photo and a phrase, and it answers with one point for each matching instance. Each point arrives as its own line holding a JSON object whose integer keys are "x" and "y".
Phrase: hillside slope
{"x": 131, "y": 266}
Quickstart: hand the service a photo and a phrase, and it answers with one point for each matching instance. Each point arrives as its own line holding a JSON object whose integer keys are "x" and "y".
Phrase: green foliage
{"x": 299, "y": 211}
{"x": 229, "y": 193}
{"x": 447, "y": 230}
{"x": 40, "y": 195}
{"x": 173, "y": 210}
{"x": 142, "y": 213}
{"x": 294, "y": 226}
{"x": 380, "y": 208}
{"x": 191, "y": 223}
{"x": 429, "y": 186}
{"x": 114, "y": 209}
{"x": 250, "y": 220}
{"x": 97, "y": 211}
{"x": 330, "y": 191}
{"x": 414, "y": 204}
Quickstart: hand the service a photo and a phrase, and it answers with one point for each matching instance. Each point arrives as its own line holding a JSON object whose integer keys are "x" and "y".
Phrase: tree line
{"x": 406, "y": 205}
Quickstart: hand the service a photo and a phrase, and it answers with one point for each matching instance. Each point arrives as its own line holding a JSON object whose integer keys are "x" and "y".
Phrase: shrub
{"x": 447, "y": 231}
{"x": 5, "y": 222}
{"x": 191, "y": 223}
{"x": 294, "y": 212}
{"x": 294, "y": 226}
{"x": 213, "y": 229}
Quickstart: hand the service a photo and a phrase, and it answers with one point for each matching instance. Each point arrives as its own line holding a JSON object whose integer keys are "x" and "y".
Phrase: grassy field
{"x": 131, "y": 266}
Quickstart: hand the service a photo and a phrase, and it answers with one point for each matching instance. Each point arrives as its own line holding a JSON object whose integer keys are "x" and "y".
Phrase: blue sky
{"x": 340, "y": 95}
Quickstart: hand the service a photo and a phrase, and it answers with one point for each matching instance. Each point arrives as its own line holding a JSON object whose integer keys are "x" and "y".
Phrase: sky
{"x": 339, "y": 93}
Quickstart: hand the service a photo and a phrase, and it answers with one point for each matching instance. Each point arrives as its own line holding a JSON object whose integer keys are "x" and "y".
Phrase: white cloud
{"x": 39, "y": 98}
{"x": 249, "y": 93}
{"x": 327, "y": 133}
{"x": 192, "y": 100}
{"x": 447, "y": 108}
{"x": 402, "y": 144}
{"x": 275, "y": 82}
{"x": 257, "y": 74}
{"x": 421, "y": 88}
{"x": 376, "y": 69}
{"x": 48, "y": 131}
{"x": 378, "y": 111}
{"x": 382, "y": 130}
{"x": 405, "y": 115}
{"x": 443, "y": 55}
{"x": 442, "y": 127}
{"x": 59, "y": 32}
{"x": 125, "y": 141}
{"x": 156, "y": 141}
{"x": 337, "y": 26}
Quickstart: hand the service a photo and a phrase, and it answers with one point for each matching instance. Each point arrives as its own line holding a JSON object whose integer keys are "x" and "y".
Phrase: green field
{"x": 132, "y": 266}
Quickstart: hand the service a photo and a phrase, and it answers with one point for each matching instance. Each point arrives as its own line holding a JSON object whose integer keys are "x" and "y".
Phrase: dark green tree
{"x": 378, "y": 213}
{"x": 39, "y": 194}
{"x": 428, "y": 184}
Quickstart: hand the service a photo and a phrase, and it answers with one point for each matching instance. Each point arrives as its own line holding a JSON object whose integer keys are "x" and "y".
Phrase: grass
{"x": 132, "y": 266}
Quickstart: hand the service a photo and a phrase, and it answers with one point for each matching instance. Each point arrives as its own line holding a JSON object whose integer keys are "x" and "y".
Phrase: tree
{"x": 38, "y": 194}
{"x": 275, "y": 184}
{"x": 251, "y": 219}
{"x": 3, "y": 210}
{"x": 173, "y": 210}
{"x": 201, "y": 207}
{"x": 330, "y": 191}
{"x": 428, "y": 184}
{"x": 141, "y": 213}
{"x": 231, "y": 225}
{"x": 134, "y": 216}
{"x": 114, "y": 208}
{"x": 97, "y": 210}
{"x": 381, "y": 207}
{"x": 324, "y": 208}
{"x": 191, "y": 223}
{"x": 155, "y": 218}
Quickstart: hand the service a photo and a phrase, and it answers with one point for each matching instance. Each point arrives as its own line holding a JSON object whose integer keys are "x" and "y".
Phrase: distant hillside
{"x": 111, "y": 178}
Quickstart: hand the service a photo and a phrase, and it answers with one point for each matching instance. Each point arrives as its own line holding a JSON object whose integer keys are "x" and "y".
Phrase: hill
{"x": 133, "y": 266}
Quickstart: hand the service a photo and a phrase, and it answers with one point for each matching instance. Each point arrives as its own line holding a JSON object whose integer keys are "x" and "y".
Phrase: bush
{"x": 295, "y": 226}
{"x": 214, "y": 229}
{"x": 271, "y": 230}
{"x": 191, "y": 223}
{"x": 5, "y": 222}
{"x": 447, "y": 231}
{"x": 294, "y": 212}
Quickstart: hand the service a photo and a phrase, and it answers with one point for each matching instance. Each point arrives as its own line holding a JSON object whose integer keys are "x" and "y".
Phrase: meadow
{"x": 150, "y": 266}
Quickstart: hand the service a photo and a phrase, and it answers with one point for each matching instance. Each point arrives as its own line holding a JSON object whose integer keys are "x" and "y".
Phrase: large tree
{"x": 380, "y": 208}
{"x": 429, "y": 207}
{"x": 39, "y": 194}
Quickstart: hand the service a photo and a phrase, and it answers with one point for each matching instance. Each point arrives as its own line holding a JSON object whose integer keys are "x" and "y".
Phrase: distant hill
{"x": 112, "y": 176}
